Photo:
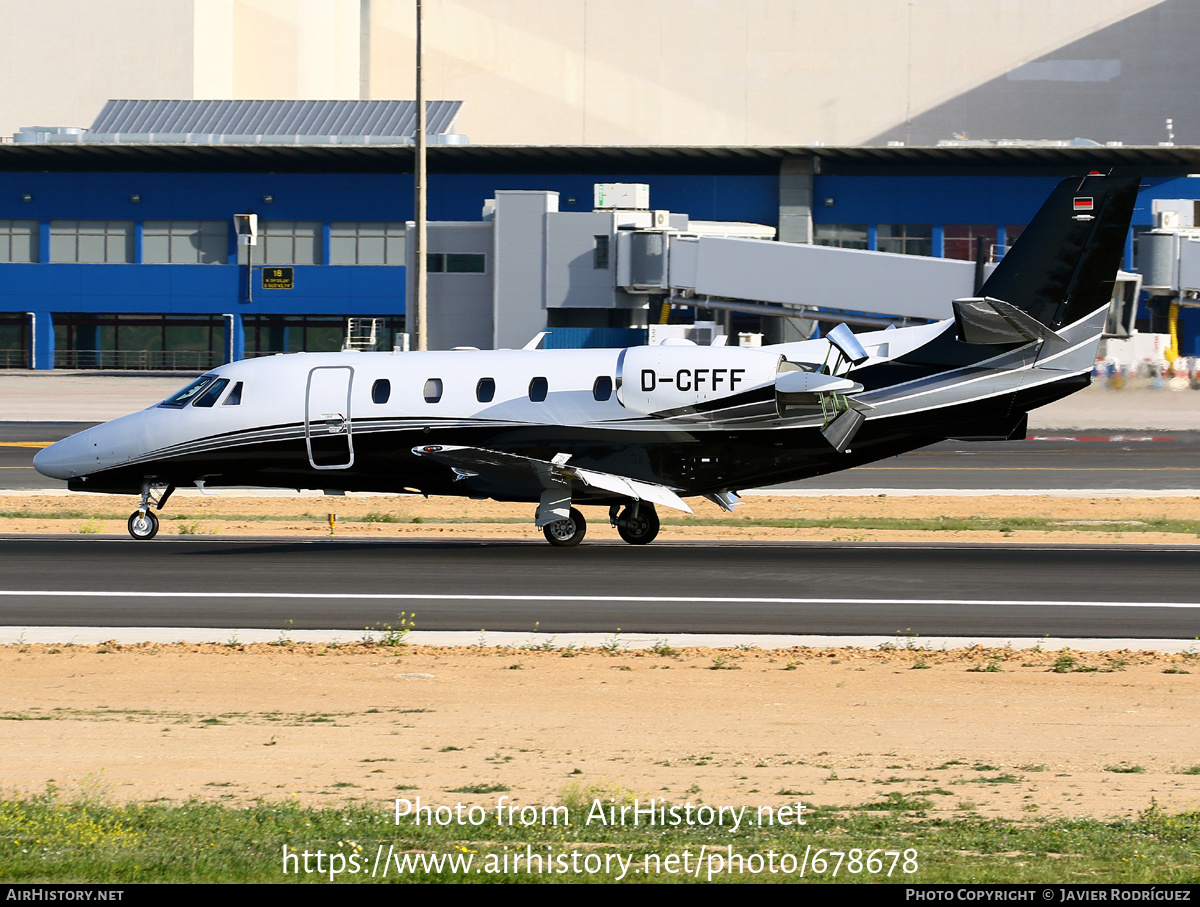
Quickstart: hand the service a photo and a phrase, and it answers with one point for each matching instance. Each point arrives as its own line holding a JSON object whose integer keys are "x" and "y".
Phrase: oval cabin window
{"x": 538, "y": 389}
{"x": 433, "y": 390}
{"x": 381, "y": 390}
{"x": 485, "y": 390}
{"x": 602, "y": 389}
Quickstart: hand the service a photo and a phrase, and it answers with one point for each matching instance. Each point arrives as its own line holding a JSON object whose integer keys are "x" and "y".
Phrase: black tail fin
{"x": 1065, "y": 262}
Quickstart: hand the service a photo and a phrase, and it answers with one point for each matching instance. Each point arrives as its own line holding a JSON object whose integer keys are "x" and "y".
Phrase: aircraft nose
{"x": 64, "y": 459}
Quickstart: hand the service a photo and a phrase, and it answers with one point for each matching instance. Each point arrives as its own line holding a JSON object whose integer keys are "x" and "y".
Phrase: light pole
{"x": 419, "y": 181}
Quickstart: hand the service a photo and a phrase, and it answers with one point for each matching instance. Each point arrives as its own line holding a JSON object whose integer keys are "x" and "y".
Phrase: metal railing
{"x": 259, "y": 354}
{"x": 14, "y": 358}
{"x": 138, "y": 360}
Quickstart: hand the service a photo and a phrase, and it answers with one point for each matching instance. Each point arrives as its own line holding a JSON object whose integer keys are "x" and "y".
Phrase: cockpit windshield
{"x": 188, "y": 394}
{"x": 210, "y": 396}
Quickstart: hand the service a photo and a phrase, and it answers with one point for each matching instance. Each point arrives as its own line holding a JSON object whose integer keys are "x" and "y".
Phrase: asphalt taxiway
{"x": 1113, "y": 592}
{"x": 1002, "y": 591}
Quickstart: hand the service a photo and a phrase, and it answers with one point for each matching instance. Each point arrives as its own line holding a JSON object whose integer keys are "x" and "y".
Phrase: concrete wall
{"x": 773, "y": 72}
{"x": 519, "y": 257}
{"x": 460, "y": 305}
{"x": 60, "y": 60}
{"x": 571, "y": 277}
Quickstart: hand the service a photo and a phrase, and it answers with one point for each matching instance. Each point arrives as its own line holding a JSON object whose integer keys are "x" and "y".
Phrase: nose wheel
{"x": 566, "y": 533}
{"x": 638, "y": 526}
{"x": 143, "y": 524}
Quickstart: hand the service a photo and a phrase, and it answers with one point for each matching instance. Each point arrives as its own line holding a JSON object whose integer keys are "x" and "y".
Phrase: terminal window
{"x": 907, "y": 239}
{"x": 188, "y": 242}
{"x": 456, "y": 263}
{"x": 600, "y": 253}
{"x": 287, "y": 242}
{"x": 843, "y": 236}
{"x": 366, "y": 243}
{"x": 19, "y": 241}
{"x": 962, "y": 241}
{"x": 91, "y": 241}
{"x": 1012, "y": 231}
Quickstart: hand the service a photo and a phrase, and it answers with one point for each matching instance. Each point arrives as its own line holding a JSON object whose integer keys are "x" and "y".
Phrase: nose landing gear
{"x": 143, "y": 524}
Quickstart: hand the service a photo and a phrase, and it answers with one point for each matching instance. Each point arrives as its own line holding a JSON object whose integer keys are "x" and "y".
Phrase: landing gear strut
{"x": 143, "y": 524}
{"x": 638, "y": 523}
{"x": 566, "y": 533}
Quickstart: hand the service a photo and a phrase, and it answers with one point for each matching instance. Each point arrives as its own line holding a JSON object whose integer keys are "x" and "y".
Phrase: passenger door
{"x": 327, "y": 426}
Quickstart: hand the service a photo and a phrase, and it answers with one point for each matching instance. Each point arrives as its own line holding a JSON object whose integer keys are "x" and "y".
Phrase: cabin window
{"x": 602, "y": 389}
{"x": 213, "y": 394}
{"x": 485, "y": 390}
{"x": 433, "y": 390}
{"x": 381, "y": 390}
{"x": 182, "y": 398}
{"x": 538, "y": 388}
{"x": 235, "y": 396}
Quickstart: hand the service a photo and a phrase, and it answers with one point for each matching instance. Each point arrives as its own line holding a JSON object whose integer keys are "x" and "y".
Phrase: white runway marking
{"x": 648, "y": 599}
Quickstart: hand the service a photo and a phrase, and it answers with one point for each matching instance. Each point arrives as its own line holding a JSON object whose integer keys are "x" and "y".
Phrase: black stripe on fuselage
{"x": 693, "y": 459}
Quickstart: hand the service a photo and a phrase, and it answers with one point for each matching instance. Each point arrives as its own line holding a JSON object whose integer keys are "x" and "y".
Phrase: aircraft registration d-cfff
{"x": 638, "y": 428}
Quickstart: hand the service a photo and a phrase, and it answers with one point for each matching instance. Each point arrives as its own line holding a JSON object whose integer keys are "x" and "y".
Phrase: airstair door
{"x": 327, "y": 429}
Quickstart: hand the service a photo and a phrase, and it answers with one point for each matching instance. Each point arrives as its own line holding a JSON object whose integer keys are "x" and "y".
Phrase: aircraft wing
{"x": 471, "y": 461}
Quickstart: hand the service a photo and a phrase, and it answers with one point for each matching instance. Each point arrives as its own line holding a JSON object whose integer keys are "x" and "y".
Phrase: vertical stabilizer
{"x": 1065, "y": 262}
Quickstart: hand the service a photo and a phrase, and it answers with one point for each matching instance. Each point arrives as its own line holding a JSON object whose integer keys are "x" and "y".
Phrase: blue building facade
{"x": 139, "y": 259}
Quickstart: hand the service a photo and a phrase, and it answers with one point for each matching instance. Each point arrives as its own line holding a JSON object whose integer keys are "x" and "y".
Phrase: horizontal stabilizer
{"x": 800, "y": 382}
{"x": 481, "y": 460}
{"x": 982, "y": 319}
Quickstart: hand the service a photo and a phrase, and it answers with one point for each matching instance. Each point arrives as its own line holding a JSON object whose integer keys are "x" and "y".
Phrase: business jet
{"x": 639, "y": 428}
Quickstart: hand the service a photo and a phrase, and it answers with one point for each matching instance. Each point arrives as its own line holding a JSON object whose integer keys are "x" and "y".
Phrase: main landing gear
{"x": 637, "y": 524}
{"x": 143, "y": 524}
{"x": 566, "y": 533}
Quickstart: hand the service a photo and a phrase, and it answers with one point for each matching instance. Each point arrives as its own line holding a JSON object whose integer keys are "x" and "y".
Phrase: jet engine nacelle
{"x": 703, "y": 383}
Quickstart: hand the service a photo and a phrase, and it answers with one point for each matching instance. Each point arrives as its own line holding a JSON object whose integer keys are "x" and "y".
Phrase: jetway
{"x": 805, "y": 280}
{"x": 528, "y": 267}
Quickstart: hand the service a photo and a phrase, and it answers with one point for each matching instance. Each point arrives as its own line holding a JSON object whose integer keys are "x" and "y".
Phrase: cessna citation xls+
{"x": 636, "y": 428}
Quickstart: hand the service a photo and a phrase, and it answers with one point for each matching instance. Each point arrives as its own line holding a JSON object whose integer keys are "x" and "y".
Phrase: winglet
{"x": 536, "y": 340}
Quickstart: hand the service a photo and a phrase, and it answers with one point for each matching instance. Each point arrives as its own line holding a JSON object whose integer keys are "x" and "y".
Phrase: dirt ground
{"x": 393, "y": 516}
{"x": 998, "y": 732}
{"x": 1001, "y": 732}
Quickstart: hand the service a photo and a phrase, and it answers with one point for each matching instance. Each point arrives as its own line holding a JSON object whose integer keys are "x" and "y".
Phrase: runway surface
{"x": 794, "y": 588}
{"x": 1155, "y": 461}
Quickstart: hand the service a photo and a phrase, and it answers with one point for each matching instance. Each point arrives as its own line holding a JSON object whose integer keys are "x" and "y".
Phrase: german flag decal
{"x": 1083, "y": 204}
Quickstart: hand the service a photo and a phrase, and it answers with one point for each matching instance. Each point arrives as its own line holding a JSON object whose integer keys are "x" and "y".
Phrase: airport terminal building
{"x": 118, "y": 247}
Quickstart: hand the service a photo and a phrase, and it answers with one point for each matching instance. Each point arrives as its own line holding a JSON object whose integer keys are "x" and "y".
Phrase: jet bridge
{"x": 585, "y": 276}
{"x": 763, "y": 276}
